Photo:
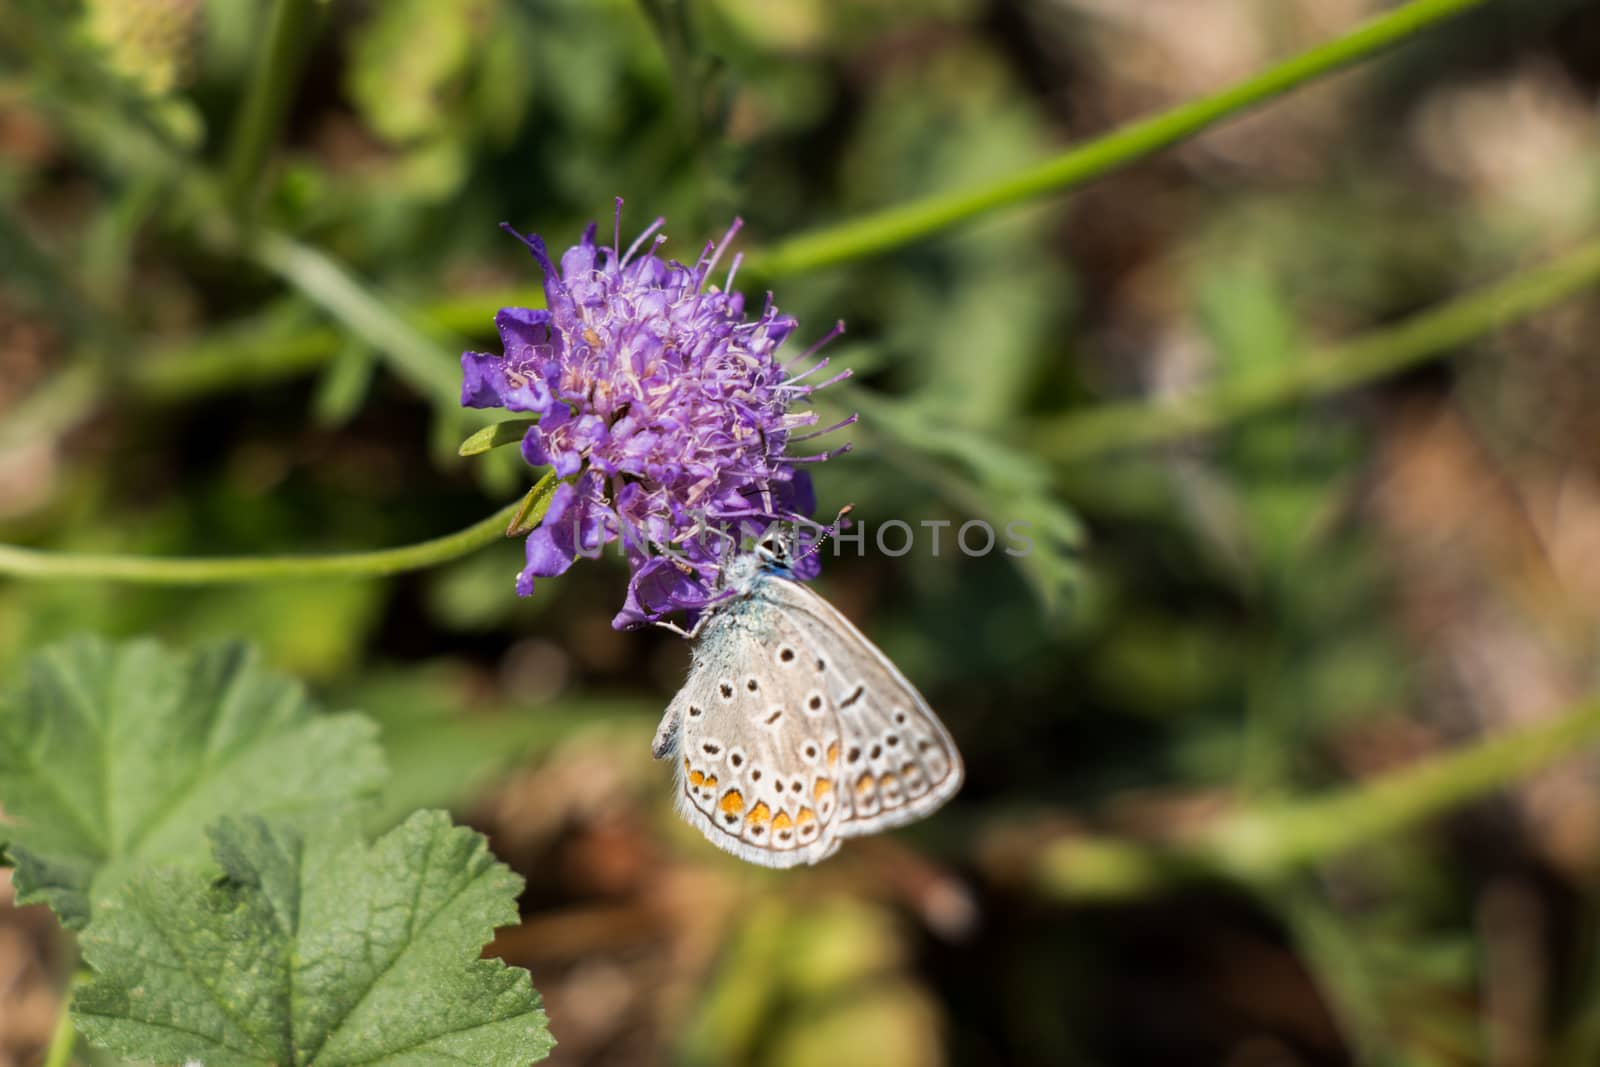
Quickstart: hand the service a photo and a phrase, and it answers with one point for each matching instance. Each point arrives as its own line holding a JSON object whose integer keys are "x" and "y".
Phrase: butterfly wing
{"x": 897, "y": 761}
{"x": 755, "y": 742}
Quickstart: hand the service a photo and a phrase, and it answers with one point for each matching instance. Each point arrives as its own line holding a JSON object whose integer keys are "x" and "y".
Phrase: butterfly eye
{"x": 773, "y": 550}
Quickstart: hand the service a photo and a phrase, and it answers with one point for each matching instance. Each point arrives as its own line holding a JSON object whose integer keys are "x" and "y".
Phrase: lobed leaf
{"x": 315, "y": 948}
{"x": 116, "y": 754}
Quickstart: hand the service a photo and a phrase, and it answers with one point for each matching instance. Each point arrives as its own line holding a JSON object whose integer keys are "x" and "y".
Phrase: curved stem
{"x": 1261, "y": 847}
{"x": 1094, "y": 433}
{"x": 36, "y": 563}
{"x": 421, "y": 361}
{"x": 1378, "y": 354}
{"x": 904, "y": 223}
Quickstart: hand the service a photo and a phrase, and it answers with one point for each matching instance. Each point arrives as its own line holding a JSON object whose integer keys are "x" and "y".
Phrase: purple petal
{"x": 498, "y": 382}
{"x": 579, "y": 259}
{"x": 546, "y": 558}
{"x": 534, "y": 449}
{"x": 560, "y": 501}
{"x": 797, "y": 495}
{"x": 659, "y": 587}
{"x": 482, "y": 382}
{"x": 566, "y": 462}
{"x": 587, "y": 432}
{"x": 664, "y": 401}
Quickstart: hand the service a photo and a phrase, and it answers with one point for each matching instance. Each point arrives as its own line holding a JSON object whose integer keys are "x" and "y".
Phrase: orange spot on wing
{"x": 697, "y": 779}
{"x": 865, "y": 784}
{"x": 759, "y": 814}
{"x": 711, "y": 781}
{"x": 806, "y": 815}
{"x": 732, "y": 802}
{"x": 833, "y": 753}
{"x": 889, "y": 781}
{"x": 824, "y": 787}
{"x": 782, "y": 822}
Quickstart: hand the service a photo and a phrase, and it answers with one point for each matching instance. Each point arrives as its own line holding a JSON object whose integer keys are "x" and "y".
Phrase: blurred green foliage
{"x": 1299, "y": 600}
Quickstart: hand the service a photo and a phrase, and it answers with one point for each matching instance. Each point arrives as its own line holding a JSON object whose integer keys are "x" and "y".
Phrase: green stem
{"x": 429, "y": 367}
{"x": 1261, "y": 847}
{"x": 36, "y": 563}
{"x": 267, "y": 100}
{"x": 1339, "y": 967}
{"x": 908, "y": 222}
{"x": 54, "y": 407}
{"x": 1101, "y": 430}
{"x": 1378, "y": 354}
{"x": 236, "y": 357}
{"x": 231, "y": 358}
{"x": 65, "y": 1036}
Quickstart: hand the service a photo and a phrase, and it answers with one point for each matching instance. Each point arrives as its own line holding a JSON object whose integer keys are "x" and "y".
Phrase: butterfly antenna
{"x": 838, "y": 520}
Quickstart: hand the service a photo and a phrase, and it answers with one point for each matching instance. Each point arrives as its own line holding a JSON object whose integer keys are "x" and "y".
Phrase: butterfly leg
{"x": 690, "y": 633}
{"x": 672, "y": 627}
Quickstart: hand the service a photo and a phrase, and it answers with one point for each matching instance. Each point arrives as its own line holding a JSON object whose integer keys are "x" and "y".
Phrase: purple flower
{"x": 664, "y": 410}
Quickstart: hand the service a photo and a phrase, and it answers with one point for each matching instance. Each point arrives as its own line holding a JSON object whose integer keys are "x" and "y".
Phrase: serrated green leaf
{"x": 111, "y": 755}
{"x": 315, "y": 949}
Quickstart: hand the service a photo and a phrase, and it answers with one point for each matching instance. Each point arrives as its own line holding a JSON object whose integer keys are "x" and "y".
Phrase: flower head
{"x": 662, "y": 407}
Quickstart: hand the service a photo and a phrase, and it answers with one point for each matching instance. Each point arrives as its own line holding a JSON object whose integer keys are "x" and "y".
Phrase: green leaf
{"x": 115, "y": 754}
{"x": 1012, "y": 490}
{"x": 343, "y": 386}
{"x": 531, "y": 511}
{"x": 409, "y": 61}
{"x": 508, "y": 432}
{"x": 315, "y": 948}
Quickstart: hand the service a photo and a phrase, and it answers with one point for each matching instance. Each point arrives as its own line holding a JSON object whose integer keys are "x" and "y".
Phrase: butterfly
{"x": 793, "y": 731}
